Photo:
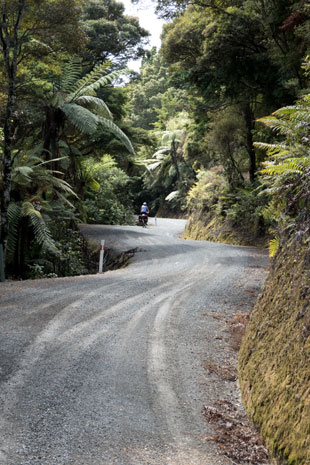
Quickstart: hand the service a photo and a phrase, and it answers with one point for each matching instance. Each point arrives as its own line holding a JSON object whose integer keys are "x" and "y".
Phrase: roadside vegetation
{"x": 85, "y": 140}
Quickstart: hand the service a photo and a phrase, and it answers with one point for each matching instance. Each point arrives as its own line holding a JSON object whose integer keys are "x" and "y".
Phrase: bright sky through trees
{"x": 145, "y": 11}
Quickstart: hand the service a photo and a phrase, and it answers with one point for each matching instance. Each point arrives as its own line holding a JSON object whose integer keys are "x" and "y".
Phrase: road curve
{"x": 109, "y": 369}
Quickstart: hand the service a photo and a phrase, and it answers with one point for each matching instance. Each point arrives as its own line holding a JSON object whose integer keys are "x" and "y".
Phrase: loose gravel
{"x": 112, "y": 369}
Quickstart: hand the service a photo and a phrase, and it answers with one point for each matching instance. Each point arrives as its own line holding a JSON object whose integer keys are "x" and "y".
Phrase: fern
{"x": 14, "y": 215}
{"x": 42, "y": 233}
{"x": 82, "y": 118}
{"x": 112, "y": 127}
{"x": 95, "y": 103}
{"x": 28, "y": 209}
{"x": 70, "y": 74}
{"x": 273, "y": 247}
{"x": 93, "y": 81}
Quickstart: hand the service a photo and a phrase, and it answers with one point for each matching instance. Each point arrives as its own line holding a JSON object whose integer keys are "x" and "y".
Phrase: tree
{"x": 22, "y": 23}
{"x": 37, "y": 192}
{"x": 113, "y": 35}
{"x": 233, "y": 56}
{"x": 74, "y": 100}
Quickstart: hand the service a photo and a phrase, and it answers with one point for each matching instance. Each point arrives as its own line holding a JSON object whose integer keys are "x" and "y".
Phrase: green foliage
{"x": 70, "y": 257}
{"x": 147, "y": 90}
{"x": 226, "y": 138}
{"x": 287, "y": 169}
{"x": 206, "y": 192}
{"x": 79, "y": 104}
{"x": 168, "y": 176}
{"x": 239, "y": 209}
{"x": 110, "y": 203}
{"x": 273, "y": 246}
{"x": 112, "y": 34}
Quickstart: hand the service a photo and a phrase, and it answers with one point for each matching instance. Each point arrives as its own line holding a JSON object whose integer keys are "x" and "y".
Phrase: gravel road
{"x": 110, "y": 369}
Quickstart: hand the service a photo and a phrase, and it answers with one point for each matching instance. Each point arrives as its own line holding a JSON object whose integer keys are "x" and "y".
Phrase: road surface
{"x": 109, "y": 369}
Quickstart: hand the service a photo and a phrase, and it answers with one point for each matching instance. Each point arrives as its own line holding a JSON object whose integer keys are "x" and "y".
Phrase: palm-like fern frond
{"x": 95, "y": 103}
{"x": 28, "y": 209}
{"x": 70, "y": 74}
{"x": 89, "y": 84}
{"x": 82, "y": 118}
{"x": 292, "y": 166}
{"x": 114, "y": 129}
{"x": 22, "y": 174}
{"x": 42, "y": 233}
{"x": 14, "y": 214}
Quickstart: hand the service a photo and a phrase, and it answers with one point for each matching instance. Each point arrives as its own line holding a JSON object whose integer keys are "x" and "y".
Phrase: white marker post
{"x": 155, "y": 221}
{"x": 101, "y": 256}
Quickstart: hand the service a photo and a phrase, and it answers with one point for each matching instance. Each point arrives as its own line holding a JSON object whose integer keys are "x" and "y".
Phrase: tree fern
{"x": 96, "y": 104}
{"x": 82, "y": 118}
{"x": 78, "y": 101}
{"x": 114, "y": 129}
{"x": 90, "y": 83}
{"x": 14, "y": 215}
{"x": 42, "y": 233}
{"x": 70, "y": 74}
{"x": 28, "y": 209}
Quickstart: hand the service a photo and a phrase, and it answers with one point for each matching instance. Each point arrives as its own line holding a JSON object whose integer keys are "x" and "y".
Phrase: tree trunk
{"x": 173, "y": 154}
{"x": 10, "y": 49}
{"x": 250, "y": 125}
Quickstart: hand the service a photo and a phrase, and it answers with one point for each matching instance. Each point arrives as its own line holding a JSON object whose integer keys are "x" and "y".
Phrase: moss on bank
{"x": 210, "y": 227}
{"x": 274, "y": 360}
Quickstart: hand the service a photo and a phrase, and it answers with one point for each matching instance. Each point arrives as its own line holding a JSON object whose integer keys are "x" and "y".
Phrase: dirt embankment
{"x": 274, "y": 360}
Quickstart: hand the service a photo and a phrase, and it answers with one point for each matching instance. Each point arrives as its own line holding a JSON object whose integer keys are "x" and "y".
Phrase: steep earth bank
{"x": 210, "y": 227}
{"x": 274, "y": 360}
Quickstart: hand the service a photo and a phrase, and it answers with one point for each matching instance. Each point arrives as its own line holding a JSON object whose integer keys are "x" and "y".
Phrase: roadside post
{"x": 101, "y": 256}
{"x": 2, "y": 276}
{"x": 155, "y": 221}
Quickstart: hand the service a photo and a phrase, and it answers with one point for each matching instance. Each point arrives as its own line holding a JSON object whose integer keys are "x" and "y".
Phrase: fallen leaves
{"x": 234, "y": 435}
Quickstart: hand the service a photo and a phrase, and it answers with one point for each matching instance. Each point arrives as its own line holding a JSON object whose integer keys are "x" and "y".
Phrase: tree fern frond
{"x": 96, "y": 104}
{"x": 45, "y": 162}
{"x": 172, "y": 196}
{"x": 42, "y": 233}
{"x": 64, "y": 199}
{"x": 22, "y": 174}
{"x": 58, "y": 99}
{"x": 108, "y": 124}
{"x": 29, "y": 209}
{"x": 71, "y": 72}
{"x": 93, "y": 81}
{"x": 82, "y": 118}
{"x": 103, "y": 81}
{"x": 14, "y": 214}
{"x": 153, "y": 166}
{"x": 271, "y": 148}
{"x": 143, "y": 162}
{"x": 285, "y": 168}
{"x": 91, "y": 77}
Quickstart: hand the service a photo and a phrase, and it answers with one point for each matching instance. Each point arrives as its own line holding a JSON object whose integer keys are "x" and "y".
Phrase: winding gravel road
{"x": 109, "y": 369}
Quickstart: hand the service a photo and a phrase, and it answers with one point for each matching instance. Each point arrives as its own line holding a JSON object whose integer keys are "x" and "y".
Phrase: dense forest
{"x": 215, "y": 127}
